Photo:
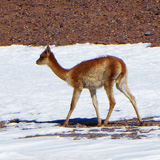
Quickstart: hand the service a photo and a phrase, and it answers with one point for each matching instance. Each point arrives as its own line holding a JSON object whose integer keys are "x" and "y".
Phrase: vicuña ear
{"x": 48, "y": 50}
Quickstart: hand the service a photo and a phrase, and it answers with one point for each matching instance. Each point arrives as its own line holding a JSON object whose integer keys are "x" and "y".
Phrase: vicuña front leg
{"x": 95, "y": 104}
{"x": 76, "y": 95}
{"x": 112, "y": 103}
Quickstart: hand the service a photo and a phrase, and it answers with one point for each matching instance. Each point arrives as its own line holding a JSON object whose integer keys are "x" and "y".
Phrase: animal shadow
{"x": 82, "y": 121}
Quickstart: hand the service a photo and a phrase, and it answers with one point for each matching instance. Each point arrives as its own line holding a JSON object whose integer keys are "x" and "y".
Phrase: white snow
{"x": 32, "y": 92}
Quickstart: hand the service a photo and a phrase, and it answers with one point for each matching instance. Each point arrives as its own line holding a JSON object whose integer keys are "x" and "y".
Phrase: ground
{"x": 42, "y": 22}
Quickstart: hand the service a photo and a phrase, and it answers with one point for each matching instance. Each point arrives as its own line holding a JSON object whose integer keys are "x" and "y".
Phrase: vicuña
{"x": 92, "y": 74}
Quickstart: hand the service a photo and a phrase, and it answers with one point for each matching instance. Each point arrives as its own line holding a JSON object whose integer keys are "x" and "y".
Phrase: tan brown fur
{"x": 92, "y": 74}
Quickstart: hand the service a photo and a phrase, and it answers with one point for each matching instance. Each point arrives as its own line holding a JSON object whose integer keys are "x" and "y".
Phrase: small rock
{"x": 157, "y": 13}
{"x": 147, "y": 33}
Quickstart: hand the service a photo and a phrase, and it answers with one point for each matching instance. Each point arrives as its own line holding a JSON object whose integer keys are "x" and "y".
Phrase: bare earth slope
{"x": 65, "y": 22}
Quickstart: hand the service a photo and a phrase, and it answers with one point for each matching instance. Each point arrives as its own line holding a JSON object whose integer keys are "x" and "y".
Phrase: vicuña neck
{"x": 56, "y": 68}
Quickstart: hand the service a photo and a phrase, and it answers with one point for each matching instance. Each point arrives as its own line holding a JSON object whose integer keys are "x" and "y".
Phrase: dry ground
{"x": 66, "y": 22}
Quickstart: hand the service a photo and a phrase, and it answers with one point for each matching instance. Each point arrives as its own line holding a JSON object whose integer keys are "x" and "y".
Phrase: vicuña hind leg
{"x": 122, "y": 86}
{"x": 76, "y": 95}
{"x": 109, "y": 90}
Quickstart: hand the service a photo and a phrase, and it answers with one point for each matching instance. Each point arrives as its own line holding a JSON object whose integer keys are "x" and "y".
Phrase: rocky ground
{"x": 66, "y": 22}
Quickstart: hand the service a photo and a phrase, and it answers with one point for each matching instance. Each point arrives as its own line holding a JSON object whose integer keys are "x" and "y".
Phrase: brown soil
{"x": 2, "y": 125}
{"x": 66, "y": 22}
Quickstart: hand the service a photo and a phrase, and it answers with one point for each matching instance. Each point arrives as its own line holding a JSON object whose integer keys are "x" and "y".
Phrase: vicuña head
{"x": 44, "y": 57}
{"x": 92, "y": 74}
